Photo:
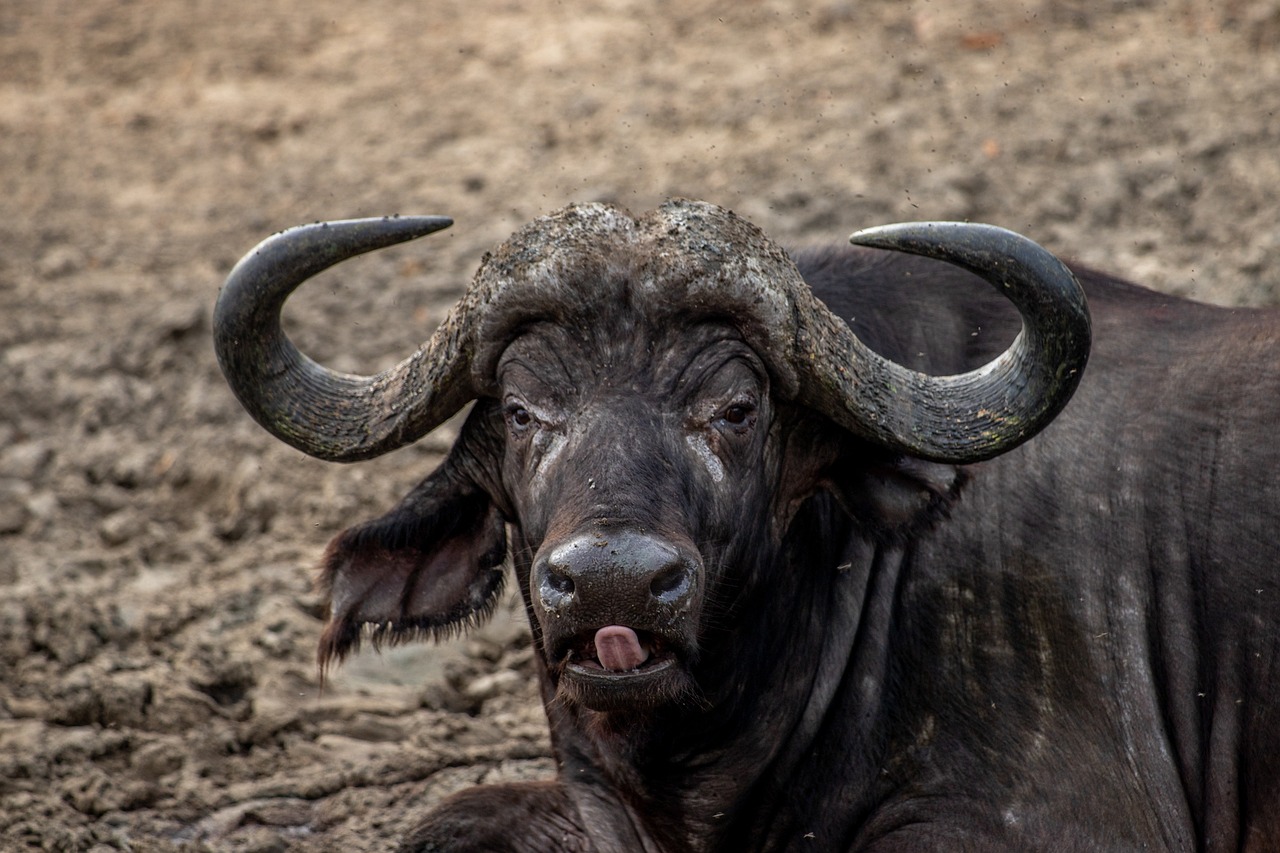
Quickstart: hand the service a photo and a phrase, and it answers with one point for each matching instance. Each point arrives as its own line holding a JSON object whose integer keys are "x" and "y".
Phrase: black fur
{"x": 1075, "y": 646}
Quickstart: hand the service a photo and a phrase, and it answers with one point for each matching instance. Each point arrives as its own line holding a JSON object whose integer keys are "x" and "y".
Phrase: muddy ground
{"x": 157, "y": 623}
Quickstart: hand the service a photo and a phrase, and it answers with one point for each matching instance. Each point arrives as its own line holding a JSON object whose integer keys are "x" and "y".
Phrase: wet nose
{"x": 617, "y": 575}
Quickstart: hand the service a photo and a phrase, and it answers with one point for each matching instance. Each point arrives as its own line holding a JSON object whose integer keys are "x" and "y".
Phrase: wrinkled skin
{"x": 1070, "y": 647}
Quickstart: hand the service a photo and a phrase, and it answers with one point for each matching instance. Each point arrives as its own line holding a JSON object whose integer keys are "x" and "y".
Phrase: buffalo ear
{"x": 891, "y": 497}
{"x": 430, "y": 567}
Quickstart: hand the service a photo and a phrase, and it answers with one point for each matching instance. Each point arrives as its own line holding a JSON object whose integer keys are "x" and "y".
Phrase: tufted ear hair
{"x": 430, "y": 567}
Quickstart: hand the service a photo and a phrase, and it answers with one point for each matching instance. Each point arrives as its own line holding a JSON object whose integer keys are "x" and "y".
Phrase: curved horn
{"x": 954, "y": 419}
{"x": 970, "y": 416}
{"x": 331, "y": 415}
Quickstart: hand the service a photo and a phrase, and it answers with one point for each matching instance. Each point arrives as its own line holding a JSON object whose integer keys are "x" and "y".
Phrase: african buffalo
{"x": 794, "y": 578}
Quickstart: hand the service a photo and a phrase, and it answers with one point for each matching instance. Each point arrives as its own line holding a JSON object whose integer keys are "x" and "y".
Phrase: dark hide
{"x": 1071, "y": 647}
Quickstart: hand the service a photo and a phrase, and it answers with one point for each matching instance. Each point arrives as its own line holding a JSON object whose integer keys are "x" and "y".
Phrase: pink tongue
{"x": 618, "y": 648}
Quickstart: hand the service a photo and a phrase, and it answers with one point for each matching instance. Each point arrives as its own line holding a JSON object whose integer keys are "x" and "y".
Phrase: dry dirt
{"x": 157, "y": 624}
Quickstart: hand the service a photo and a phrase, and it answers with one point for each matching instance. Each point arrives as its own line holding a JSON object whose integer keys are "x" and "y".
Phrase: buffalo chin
{"x": 653, "y": 684}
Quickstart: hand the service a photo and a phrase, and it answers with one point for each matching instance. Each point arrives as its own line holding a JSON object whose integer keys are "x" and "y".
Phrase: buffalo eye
{"x": 519, "y": 418}
{"x": 738, "y": 417}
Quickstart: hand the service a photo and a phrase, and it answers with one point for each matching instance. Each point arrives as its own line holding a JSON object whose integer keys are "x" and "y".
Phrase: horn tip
{"x": 420, "y": 225}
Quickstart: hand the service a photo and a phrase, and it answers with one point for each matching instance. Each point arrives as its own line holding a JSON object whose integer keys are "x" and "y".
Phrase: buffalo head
{"x": 655, "y": 399}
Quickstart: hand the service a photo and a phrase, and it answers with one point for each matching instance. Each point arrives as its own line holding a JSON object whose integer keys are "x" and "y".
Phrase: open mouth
{"x": 618, "y": 651}
{"x": 617, "y": 668}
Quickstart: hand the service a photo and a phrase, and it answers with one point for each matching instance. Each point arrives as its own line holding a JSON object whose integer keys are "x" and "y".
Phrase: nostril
{"x": 670, "y": 583}
{"x": 555, "y": 586}
{"x": 560, "y": 582}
